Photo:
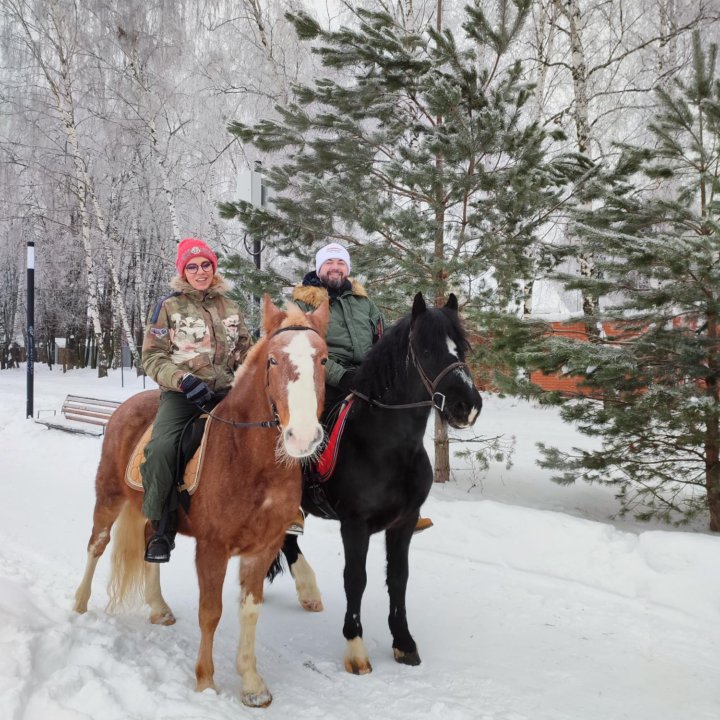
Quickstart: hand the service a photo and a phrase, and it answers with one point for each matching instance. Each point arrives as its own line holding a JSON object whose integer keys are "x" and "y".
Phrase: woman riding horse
{"x": 248, "y": 490}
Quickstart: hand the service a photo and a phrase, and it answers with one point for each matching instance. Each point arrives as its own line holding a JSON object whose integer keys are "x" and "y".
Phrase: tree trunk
{"x": 118, "y": 302}
{"x": 578, "y": 68}
{"x": 277, "y": 72}
{"x": 581, "y": 115}
{"x": 64, "y": 104}
{"x": 442, "y": 450}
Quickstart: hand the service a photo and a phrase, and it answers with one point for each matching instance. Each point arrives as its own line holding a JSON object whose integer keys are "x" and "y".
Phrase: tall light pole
{"x": 30, "y": 350}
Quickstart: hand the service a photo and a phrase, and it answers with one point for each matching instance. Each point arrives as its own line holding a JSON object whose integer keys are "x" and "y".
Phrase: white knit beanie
{"x": 333, "y": 251}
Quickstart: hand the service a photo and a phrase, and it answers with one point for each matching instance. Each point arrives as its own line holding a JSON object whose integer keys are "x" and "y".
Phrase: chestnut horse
{"x": 249, "y": 489}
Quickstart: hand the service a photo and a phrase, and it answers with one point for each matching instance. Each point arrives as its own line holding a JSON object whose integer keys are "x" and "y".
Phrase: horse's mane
{"x": 386, "y": 365}
{"x": 295, "y": 316}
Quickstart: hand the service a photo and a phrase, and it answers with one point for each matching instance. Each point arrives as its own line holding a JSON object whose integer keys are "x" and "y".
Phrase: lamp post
{"x": 30, "y": 351}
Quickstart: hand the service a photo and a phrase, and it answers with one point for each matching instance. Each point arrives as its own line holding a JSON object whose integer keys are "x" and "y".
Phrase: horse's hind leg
{"x": 252, "y": 575}
{"x": 397, "y": 543}
{"x": 304, "y": 576}
{"x": 106, "y": 511}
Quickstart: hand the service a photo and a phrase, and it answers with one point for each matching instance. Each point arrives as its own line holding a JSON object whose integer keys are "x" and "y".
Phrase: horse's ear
{"x": 272, "y": 315}
{"x": 320, "y": 317}
{"x": 452, "y": 303}
{"x": 419, "y": 306}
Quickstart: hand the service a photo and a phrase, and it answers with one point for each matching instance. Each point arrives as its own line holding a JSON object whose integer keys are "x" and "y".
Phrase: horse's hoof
{"x": 166, "y": 618}
{"x": 257, "y": 700}
{"x": 357, "y": 668}
{"x": 406, "y": 658}
{"x": 312, "y": 605}
{"x": 203, "y": 685}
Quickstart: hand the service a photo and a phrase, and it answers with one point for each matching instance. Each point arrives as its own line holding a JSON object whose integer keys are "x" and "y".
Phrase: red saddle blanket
{"x": 326, "y": 462}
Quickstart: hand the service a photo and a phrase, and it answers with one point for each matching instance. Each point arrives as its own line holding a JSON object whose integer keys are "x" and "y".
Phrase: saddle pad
{"x": 191, "y": 476}
{"x": 327, "y": 461}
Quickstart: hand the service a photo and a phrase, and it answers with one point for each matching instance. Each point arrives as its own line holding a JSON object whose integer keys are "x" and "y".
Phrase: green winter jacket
{"x": 194, "y": 332}
{"x": 355, "y": 323}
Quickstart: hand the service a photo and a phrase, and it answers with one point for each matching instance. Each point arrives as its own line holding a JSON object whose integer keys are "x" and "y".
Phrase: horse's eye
{"x": 272, "y": 361}
{"x": 324, "y": 361}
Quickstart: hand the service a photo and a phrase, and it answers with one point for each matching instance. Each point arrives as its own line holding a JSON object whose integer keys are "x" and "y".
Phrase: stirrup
{"x": 297, "y": 526}
{"x": 422, "y": 524}
{"x": 158, "y": 549}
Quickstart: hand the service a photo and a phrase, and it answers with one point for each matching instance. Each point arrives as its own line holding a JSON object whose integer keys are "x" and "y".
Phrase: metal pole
{"x": 30, "y": 354}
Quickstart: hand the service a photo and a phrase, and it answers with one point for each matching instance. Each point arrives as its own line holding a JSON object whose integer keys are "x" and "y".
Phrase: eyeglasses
{"x": 192, "y": 268}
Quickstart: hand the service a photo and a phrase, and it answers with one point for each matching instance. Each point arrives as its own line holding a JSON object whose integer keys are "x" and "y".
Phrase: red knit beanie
{"x": 192, "y": 249}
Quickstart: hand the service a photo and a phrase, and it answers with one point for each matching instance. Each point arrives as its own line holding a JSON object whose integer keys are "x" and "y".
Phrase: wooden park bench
{"x": 82, "y": 411}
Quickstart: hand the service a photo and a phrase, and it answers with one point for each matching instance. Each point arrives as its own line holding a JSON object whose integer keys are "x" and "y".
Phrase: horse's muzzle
{"x": 302, "y": 442}
{"x": 463, "y": 414}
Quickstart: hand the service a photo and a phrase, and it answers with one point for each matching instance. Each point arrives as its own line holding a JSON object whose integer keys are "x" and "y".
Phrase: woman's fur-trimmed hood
{"x": 219, "y": 286}
{"x": 314, "y": 296}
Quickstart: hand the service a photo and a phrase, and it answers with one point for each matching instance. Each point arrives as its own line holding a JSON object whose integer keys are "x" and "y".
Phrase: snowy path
{"x": 519, "y": 613}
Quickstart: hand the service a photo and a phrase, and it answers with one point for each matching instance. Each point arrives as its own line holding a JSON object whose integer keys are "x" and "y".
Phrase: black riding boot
{"x": 162, "y": 541}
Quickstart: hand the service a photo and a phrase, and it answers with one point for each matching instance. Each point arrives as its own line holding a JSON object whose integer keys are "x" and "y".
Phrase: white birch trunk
{"x": 165, "y": 181}
{"x": 118, "y": 301}
{"x": 255, "y": 10}
{"x": 64, "y": 105}
{"x": 667, "y": 54}
{"x": 571, "y": 10}
{"x": 160, "y": 159}
{"x": 578, "y": 63}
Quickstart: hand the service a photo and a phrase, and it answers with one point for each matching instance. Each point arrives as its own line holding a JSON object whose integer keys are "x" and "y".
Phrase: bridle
{"x": 275, "y": 422}
{"x": 437, "y": 399}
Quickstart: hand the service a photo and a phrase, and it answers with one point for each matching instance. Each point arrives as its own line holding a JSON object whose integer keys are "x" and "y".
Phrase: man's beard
{"x": 335, "y": 282}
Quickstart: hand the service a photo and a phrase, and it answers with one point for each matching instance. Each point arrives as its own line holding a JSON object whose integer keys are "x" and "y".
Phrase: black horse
{"x": 383, "y": 473}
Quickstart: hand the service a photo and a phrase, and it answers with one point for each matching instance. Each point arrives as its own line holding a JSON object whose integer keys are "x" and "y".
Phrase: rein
{"x": 261, "y": 423}
{"x": 437, "y": 399}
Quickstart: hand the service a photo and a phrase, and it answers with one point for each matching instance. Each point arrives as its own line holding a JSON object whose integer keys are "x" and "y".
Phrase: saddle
{"x": 321, "y": 471}
{"x": 325, "y": 465}
{"x": 192, "y": 453}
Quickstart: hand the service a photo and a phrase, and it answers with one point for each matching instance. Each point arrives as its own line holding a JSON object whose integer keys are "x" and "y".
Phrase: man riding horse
{"x": 355, "y": 326}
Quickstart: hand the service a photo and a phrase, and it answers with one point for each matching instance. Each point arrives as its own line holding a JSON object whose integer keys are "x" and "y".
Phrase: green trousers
{"x": 161, "y": 453}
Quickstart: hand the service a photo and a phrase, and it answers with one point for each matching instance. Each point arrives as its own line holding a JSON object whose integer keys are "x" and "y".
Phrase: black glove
{"x": 347, "y": 381}
{"x": 195, "y": 390}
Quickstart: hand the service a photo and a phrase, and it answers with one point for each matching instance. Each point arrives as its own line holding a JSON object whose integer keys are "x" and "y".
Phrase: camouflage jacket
{"x": 194, "y": 332}
{"x": 355, "y": 323}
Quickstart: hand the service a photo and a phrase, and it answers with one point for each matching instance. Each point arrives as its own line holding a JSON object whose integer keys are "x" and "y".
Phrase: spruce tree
{"x": 652, "y": 375}
{"x": 418, "y": 151}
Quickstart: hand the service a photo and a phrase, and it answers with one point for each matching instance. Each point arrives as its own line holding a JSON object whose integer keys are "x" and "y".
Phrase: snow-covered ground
{"x": 525, "y": 600}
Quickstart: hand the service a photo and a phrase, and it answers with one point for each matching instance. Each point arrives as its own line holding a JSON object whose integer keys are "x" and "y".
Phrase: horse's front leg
{"x": 305, "y": 582}
{"x": 397, "y": 546}
{"x": 356, "y": 539}
{"x": 252, "y": 576}
{"x": 211, "y": 563}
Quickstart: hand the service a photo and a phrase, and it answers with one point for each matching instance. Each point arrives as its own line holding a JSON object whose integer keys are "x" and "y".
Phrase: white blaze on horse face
{"x": 303, "y": 433}
{"x": 452, "y": 347}
{"x": 466, "y": 377}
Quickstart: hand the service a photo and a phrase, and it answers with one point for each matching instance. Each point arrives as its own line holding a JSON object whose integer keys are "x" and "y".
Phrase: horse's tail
{"x": 127, "y": 578}
{"x": 276, "y": 567}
